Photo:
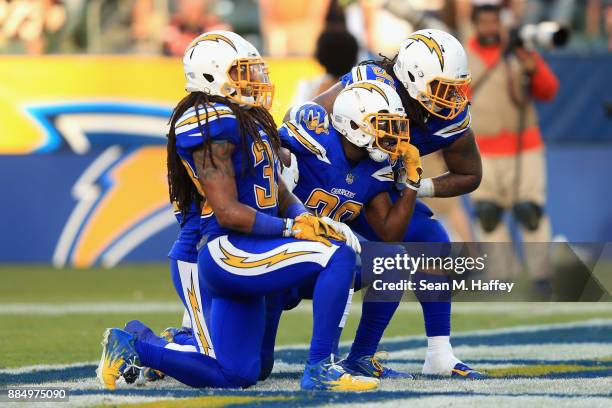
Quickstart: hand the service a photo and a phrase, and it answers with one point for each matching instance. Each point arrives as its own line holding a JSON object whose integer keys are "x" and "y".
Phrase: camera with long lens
{"x": 547, "y": 34}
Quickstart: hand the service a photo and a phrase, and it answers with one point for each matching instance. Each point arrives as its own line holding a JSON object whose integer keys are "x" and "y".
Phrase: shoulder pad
{"x": 303, "y": 141}
{"x": 370, "y": 72}
{"x": 454, "y": 127}
{"x": 217, "y": 121}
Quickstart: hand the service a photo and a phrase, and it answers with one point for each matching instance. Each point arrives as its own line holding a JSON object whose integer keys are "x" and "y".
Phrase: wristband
{"x": 426, "y": 189}
{"x": 268, "y": 225}
{"x": 288, "y": 231}
{"x": 295, "y": 209}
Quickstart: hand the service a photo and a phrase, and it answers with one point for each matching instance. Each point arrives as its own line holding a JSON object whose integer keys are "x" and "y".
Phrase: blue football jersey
{"x": 255, "y": 176}
{"x": 328, "y": 183}
{"x": 439, "y": 132}
{"x": 186, "y": 244}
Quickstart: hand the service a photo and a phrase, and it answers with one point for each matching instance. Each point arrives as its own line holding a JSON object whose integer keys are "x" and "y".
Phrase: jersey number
{"x": 326, "y": 205}
{"x": 265, "y": 197}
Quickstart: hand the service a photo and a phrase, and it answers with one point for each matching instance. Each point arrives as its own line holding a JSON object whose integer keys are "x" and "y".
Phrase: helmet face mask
{"x": 248, "y": 83}
{"x": 445, "y": 98}
{"x": 389, "y": 131}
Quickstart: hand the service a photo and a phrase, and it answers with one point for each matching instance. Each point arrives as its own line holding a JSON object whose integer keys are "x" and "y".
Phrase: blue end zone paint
{"x": 570, "y": 335}
{"x": 564, "y": 335}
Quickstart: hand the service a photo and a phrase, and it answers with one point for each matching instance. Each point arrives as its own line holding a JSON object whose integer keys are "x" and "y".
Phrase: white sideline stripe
{"x": 532, "y": 309}
{"x": 514, "y": 329}
{"x": 543, "y": 351}
{"x": 44, "y": 367}
{"x": 50, "y": 309}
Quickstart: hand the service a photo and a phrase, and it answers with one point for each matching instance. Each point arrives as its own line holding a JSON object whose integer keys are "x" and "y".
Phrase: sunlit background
{"x": 87, "y": 88}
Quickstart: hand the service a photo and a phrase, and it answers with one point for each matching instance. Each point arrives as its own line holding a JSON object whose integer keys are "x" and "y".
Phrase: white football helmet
{"x": 432, "y": 66}
{"x": 370, "y": 114}
{"x": 225, "y": 64}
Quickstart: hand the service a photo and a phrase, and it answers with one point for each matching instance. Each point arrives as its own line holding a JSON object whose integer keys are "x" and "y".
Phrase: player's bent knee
{"x": 489, "y": 214}
{"x": 345, "y": 255}
{"x": 244, "y": 379}
{"x": 528, "y": 214}
{"x": 267, "y": 364}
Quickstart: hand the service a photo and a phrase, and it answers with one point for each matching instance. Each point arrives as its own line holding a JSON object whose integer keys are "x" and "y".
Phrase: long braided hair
{"x": 181, "y": 188}
{"x": 416, "y": 113}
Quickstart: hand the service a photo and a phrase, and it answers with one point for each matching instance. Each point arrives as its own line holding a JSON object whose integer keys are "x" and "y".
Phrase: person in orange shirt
{"x": 504, "y": 88}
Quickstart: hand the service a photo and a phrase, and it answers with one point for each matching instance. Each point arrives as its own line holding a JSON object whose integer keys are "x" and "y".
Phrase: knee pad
{"x": 528, "y": 214}
{"x": 489, "y": 214}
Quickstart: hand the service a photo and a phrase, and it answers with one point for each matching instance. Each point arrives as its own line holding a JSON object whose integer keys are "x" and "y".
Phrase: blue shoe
{"x": 144, "y": 333}
{"x": 372, "y": 366}
{"x": 326, "y": 375}
{"x": 464, "y": 371}
{"x": 151, "y": 374}
{"x": 169, "y": 333}
{"x": 119, "y": 358}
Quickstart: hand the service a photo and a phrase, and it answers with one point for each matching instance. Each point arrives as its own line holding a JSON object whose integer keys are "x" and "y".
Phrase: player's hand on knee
{"x": 351, "y": 238}
{"x": 312, "y": 228}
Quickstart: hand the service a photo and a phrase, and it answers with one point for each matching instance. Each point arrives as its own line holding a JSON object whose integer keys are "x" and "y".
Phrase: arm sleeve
{"x": 216, "y": 123}
{"x": 544, "y": 83}
{"x": 300, "y": 141}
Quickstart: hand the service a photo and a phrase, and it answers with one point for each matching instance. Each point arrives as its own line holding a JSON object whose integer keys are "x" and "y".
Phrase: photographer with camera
{"x": 507, "y": 77}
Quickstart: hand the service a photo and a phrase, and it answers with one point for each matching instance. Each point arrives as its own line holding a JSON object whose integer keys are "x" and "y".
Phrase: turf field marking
{"x": 533, "y": 309}
{"x": 52, "y": 309}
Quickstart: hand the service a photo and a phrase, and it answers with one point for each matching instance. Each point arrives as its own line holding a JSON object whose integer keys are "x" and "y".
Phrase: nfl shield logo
{"x": 349, "y": 178}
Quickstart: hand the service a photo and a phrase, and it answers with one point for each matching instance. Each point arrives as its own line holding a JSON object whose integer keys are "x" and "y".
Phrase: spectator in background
{"x": 31, "y": 26}
{"x": 598, "y": 20}
{"x": 145, "y": 27}
{"x": 192, "y": 19}
{"x": 560, "y": 11}
{"x": 508, "y": 135}
{"x": 336, "y": 51}
{"x": 289, "y": 27}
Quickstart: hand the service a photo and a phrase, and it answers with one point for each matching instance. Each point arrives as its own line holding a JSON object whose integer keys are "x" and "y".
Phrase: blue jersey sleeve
{"x": 221, "y": 125}
{"x": 371, "y": 72}
{"x": 440, "y": 133}
{"x": 453, "y": 129}
{"x": 302, "y": 141}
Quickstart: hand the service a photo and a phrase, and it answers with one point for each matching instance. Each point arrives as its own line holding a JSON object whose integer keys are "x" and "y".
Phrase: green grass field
{"x": 38, "y": 327}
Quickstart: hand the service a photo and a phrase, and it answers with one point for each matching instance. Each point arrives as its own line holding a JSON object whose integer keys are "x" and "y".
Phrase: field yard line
{"x": 502, "y": 330}
{"x": 52, "y": 309}
{"x": 44, "y": 367}
{"x": 533, "y": 309}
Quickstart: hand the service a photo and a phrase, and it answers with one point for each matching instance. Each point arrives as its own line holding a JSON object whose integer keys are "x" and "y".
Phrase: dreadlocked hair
{"x": 181, "y": 187}
{"x": 415, "y": 112}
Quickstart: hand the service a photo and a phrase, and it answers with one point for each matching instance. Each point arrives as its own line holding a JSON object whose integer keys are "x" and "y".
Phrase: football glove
{"x": 313, "y": 228}
{"x": 342, "y": 228}
{"x": 311, "y": 116}
{"x": 409, "y": 168}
